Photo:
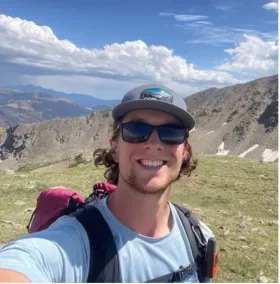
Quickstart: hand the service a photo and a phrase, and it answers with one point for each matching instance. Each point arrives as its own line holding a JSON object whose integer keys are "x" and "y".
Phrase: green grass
{"x": 236, "y": 197}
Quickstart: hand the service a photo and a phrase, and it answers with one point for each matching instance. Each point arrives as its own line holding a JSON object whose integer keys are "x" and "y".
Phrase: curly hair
{"x": 104, "y": 157}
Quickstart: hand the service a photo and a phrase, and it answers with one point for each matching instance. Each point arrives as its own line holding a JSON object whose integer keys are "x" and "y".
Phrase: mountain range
{"x": 83, "y": 100}
{"x": 32, "y": 104}
{"x": 239, "y": 120}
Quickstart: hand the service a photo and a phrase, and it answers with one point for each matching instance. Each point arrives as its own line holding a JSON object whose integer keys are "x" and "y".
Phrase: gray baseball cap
{"x": 156, "y": 97}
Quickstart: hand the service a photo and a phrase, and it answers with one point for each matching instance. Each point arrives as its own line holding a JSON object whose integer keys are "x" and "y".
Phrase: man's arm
{"x": 58, "y": 254}
{"x": 8, "y": 276}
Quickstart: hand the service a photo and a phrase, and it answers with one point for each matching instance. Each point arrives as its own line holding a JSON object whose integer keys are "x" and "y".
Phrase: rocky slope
{"x": 236, "y": 118}
{"x": 52, "y": 141}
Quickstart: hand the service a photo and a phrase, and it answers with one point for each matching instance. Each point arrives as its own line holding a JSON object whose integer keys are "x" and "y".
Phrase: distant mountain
{"x": 18, "y": 107}
{"x": 83, "y": 100}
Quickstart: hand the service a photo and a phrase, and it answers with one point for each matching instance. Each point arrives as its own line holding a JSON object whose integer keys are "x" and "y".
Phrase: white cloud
{"x": 208, "y": 33}
{"x": 223, "y": 7}
{"x": 252, "y": 56}
{"x": 204, "y": 22}
{"x": 273, "y": 5}
{"x": 184, "y": 18}
{"x": 189, "y": 18}
{"x": 195, "y": 24}
{"x": 166, "y": 14}
{"x": 32, "y": 49}
{"x": 220, "y": 35}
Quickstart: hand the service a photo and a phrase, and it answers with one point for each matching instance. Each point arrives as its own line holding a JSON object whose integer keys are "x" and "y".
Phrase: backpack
{"x": 55, "y": 202}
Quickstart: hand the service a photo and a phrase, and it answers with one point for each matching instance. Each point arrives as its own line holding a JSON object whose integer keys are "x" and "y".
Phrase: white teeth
{"x": 151, "y": 163}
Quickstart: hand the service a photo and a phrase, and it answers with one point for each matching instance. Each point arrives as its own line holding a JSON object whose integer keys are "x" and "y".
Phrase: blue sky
{"x": 103, "y": 48}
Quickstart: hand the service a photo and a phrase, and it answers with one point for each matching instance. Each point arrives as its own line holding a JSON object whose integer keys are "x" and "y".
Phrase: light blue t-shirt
{"x": 61, "y": 253}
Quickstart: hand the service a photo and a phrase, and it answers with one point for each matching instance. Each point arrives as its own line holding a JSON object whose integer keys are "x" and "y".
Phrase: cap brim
{"x": 183, "y": 116}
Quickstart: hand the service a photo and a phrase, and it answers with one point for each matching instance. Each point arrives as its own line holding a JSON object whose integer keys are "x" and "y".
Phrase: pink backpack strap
{"x": 100, "y": 190}
{"x": 106, "y": 186}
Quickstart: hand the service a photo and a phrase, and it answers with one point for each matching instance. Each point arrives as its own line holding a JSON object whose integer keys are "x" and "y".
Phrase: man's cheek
{"x": 123, "y": 160}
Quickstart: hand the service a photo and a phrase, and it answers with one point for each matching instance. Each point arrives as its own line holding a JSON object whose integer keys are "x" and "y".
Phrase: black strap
{"x": 30, "y": 221}
{"x": 177, "y": 276}
{"x": 196, "y": 238}
{"x": 105, "y": 265}
{"x": 103, "y": 247}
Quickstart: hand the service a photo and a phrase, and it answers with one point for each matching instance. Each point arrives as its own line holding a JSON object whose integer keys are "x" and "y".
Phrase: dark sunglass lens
{"x": 172, "y": 134}
{"x": 134, "y": 132}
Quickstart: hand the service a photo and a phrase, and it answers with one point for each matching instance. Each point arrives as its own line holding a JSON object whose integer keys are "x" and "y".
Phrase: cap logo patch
{"x": 156, "y": 94}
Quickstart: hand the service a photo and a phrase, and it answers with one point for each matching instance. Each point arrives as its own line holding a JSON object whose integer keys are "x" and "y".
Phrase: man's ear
{"x": 111, "y": 142}
{"x": 186, "y": 150}
{"x": 114, "y": 150}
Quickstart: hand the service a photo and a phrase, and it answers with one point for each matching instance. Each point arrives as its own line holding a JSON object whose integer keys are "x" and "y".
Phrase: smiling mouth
{"x": 152, "y": 164}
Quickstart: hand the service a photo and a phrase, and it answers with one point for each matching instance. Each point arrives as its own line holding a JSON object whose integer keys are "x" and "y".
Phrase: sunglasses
{"x": 139, "y": 132}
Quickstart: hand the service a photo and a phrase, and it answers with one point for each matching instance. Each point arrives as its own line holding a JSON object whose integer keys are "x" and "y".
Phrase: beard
{"x": 134, "y": 183}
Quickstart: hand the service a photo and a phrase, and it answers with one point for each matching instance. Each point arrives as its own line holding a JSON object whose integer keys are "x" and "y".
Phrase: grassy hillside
{"x": 236, "y": 197}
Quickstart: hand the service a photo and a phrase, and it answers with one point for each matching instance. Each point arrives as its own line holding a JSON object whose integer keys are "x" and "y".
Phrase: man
{"x": 149, "y": 151}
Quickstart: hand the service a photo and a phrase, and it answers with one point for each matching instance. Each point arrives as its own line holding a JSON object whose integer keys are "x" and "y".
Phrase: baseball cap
{"x": 156, "y": 97}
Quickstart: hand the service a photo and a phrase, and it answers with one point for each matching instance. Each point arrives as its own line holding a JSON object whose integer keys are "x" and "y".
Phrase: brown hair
{"x": 104, "y": 157}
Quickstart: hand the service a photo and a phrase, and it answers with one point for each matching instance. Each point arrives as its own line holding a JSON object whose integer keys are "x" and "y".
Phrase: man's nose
{"x": 154, "y": 142}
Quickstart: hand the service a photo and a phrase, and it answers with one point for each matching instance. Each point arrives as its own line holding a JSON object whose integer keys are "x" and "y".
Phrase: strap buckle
{"x": 182, "y": 273}
{"x": 203, "y": 242}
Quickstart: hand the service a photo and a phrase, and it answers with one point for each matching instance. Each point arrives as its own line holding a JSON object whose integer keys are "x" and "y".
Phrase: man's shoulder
{"x": 49, "y": 253}
{"x": 207, "y": 232}
{"x": 65, "y": 221}
{"x": 64, "y": 232}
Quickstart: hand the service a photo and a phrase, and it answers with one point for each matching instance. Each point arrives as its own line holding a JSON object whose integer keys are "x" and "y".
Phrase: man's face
{"x": 151, "y": 166}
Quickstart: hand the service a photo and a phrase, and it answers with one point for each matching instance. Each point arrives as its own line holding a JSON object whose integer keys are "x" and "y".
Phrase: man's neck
{"x": 146, "y": 214}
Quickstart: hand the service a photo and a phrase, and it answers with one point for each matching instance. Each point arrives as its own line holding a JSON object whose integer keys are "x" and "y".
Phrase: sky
{"x": 106, "y": 47}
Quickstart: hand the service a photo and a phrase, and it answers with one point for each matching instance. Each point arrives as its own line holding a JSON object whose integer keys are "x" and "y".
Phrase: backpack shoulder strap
{"x": 103, "y": 248}
{"x": 196, "y": 238}
{"x": 104, "y": 266}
